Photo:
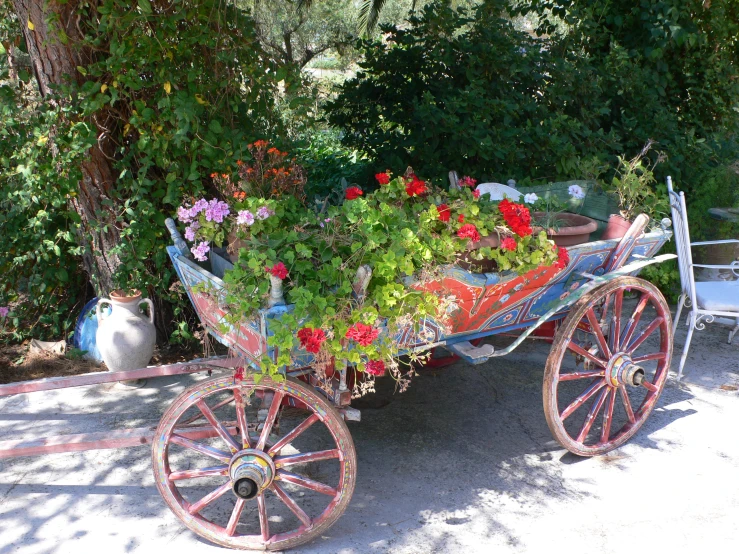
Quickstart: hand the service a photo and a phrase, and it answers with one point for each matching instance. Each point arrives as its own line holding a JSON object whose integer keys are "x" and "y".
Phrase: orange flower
{"x": 239, "y": 162}
{"x": 273, "y": 151}
{"x": 224, "y": 175}
{"x": 259, "y": 144}
{"x": 213, "y": 175}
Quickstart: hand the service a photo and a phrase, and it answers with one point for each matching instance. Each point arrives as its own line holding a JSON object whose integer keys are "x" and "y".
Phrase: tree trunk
{"x": 52, "y": 35}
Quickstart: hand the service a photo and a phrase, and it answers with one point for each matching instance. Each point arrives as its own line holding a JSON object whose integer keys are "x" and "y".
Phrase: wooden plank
{"x": 100, "y": 377}
{"x": 124, "y": 438}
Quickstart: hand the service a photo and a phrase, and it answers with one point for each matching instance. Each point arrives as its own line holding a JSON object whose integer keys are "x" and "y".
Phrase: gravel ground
{"x": 461, "y": 463}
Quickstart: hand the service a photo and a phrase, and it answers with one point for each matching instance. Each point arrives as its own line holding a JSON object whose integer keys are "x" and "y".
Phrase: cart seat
{"x": 720, "y": 296}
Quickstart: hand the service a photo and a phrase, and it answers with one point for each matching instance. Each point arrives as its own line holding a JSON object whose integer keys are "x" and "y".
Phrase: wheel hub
{"x": 251, "y": 472}
{"x": 622, "y": 370}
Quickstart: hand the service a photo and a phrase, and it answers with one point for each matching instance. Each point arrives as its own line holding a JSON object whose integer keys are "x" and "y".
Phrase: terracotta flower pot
{"x": 574, "y": 229}
{"x": 480, "y": 266}
{"x": 616, "y": 228}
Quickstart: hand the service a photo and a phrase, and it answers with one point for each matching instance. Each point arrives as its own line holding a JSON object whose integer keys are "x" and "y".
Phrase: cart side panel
{"x": 204, "y": 291}
{"x": 490, "y": 303}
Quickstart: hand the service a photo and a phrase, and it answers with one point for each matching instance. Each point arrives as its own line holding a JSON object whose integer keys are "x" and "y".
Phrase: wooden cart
{"x": 251, "y": 463}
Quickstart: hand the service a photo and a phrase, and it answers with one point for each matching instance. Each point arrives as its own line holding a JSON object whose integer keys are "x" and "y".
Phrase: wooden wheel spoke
{"x": 580, "y": 400}
{"x": 292, "y": 435}
{"x": 200, "y": 416}
{"x": 196, "y": 473}
{"x": 649, "y": 386}
{"x": 634, "y": 320}
{"x": 647, "y": 357}
{"x": 305, "y": 482}
{"x": 282, "y": 461}
{"x": 627, "y": 404}
{"x": 581, "y": 375}
{"x": 220, "y": 429}
{"x": 202, "y": 448}
{"x": 617, "y": 309}
{"x": 636, "y": 343}
{"x": 595, "y": 326}
{"x": 241, "y": 418}
{"x": 263, "y": 521}
{"x": 208, "y": 498}
{"x": 291, "y": 504}
{"x": 274, "y": 408}
{"x": 233, "y": 521}
{"x": 577, "y": 349}
{"x": 590, "y": 418}
{"x": 608, "y": 416}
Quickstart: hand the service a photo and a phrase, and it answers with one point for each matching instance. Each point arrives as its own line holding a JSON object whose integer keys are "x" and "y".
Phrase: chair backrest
{"x": 682, "y": 241}
{"x": 498, "y": 191}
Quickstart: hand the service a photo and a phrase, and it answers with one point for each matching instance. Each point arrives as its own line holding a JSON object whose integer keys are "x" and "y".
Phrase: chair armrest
{"x": 734, "y": 268}
{"x": 705, "y": 243}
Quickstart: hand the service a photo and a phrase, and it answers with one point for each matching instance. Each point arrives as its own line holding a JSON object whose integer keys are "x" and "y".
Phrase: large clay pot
{"x": 480, "y": 266}
{"x": 616, "y": 228}
{"x": 125, "y": 337}
{"x": 574, "y": 229}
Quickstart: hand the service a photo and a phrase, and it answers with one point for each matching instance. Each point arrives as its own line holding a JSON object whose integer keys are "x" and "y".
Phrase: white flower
{"x": 245, "y": 217}
{"x": 576, "y": 192}
{"x": 530, "y": 198}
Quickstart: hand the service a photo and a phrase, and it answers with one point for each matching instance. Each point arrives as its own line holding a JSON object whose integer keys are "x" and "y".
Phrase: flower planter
{"x": 576, "y": 229}
{"x": 220, "y": 262}
{"x": 616, "y": 228}
{"x": 480, "y": 266}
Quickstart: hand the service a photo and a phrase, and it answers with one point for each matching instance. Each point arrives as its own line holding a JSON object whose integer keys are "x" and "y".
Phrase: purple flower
{"x": 264, "y": 212}
{"x": 245, "y": 217}
{"x": 184, "y": 215}
{"x": 216, "y": 211}
{"x": 190, "y": 231}
{"x": 199, "y": 206}
{"x": 200, "y": 251}
{"x": 4, "y": 311}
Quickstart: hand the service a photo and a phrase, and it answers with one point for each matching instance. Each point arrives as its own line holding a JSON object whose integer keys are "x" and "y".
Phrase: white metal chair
{"x": 706, "y": 300}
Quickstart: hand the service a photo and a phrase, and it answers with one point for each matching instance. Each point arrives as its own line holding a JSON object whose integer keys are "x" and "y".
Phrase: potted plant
{"x": 633, "y": 184}
{"x": 556, "y": 218}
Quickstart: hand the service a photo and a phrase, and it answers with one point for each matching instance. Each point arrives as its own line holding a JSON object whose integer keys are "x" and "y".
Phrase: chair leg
{"x": 691, "y": 322}
{"x": 734, "y": 330}
{"x": 680, "y": 304}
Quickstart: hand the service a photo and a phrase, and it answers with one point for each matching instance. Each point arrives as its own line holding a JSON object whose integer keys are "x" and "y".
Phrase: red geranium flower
{"x": 363, "y": 334}
{"x": 375, "y": 367}
{"x": 416, "y": 187}
{"x": 469, "y": 231}
{"x": 476, "y": 194}
{"x": 278, "y": 270}
{"x": 311, "y": 339}
{"x": 508, "y": 243}
{"x": 444, "y": 212}
{"x": 352, "y": 193}
{"x": 461, "y": 218}
{"x": 467, "y": 182}
{"x": 382, "y": 178}
{"x": 563, "y": 258}
{"x": 517, "y": 217}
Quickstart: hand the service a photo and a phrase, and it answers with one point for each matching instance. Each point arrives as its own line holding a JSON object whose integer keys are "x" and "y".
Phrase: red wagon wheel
{"x": 608, "y": 366}
{"x": 243, "y": 484}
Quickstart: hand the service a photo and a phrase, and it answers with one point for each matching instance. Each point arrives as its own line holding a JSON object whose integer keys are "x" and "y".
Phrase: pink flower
{"x": 508, "y": 243}
{"x": 476, "y": 194}
{"x": 362, "y": 333}
{"x": 467, "y": 182}
{"x": 375, "y": 367}
{"x": 4, "y": 310}
{"x": 278, "y": 270}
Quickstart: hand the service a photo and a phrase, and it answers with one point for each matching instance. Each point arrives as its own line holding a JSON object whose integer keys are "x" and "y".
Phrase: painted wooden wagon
{"x": 252, "y": 463}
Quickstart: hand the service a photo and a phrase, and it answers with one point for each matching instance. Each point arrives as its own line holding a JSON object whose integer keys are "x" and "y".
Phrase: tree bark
{"x": 53, "y": 36}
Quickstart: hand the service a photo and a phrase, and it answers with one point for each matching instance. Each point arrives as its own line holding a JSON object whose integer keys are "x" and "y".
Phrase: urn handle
{"x": 151, "y": 308}
{"x": 100, "y": 313}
